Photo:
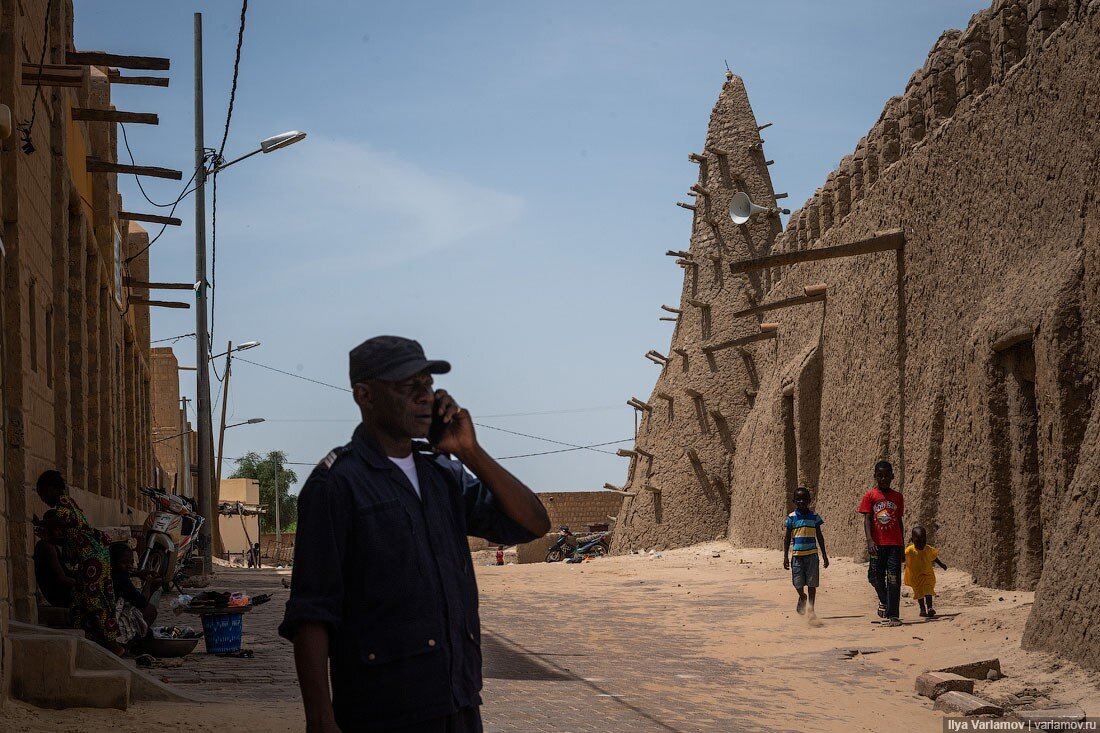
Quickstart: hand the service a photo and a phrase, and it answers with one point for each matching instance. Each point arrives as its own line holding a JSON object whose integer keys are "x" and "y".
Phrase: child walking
{"x": 802, "y": 540}
{"x": 920, "y": 572}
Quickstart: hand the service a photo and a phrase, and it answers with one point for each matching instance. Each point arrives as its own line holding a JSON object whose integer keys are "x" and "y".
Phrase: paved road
{"x": 552, "y": 662}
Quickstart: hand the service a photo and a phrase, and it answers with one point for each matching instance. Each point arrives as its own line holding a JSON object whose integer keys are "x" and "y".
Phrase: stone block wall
{"x": 988, "y": 164}
{"x": 75, "y": 351}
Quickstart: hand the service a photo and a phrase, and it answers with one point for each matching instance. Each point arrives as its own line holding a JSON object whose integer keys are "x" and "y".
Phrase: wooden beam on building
{"x": 101, "y": 58}
{"x": 53, "y": 75}
{"x": 732, "y": 343}
{"x": 95, "y": 165}
{"x": 891, "y": 240}
{"x": 151, "y": 218}
{"x": 85, "y": 114}
{"x": 619, "y": 490}
{"x": 787, "y": 303}
{"x": 130, "y": 282}
{"x": 114, "y": 76}
{"x": 158, "y": 303}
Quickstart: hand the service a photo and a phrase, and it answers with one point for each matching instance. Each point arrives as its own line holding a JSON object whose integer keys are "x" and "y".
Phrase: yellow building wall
{"x": 245, "y": 490}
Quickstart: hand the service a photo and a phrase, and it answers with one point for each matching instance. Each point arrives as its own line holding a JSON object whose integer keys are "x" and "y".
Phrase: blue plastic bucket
{"x": 222, "y": 632}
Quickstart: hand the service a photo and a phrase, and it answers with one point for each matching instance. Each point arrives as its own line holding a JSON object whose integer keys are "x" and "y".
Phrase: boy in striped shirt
{"x": 803, "y": 539}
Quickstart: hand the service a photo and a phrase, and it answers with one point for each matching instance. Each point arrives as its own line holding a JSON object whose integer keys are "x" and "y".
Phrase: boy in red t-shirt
{"x": 882, "y": 509}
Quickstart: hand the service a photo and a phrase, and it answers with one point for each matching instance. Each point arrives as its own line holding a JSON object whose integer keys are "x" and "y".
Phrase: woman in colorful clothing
{"x": 93, "y": 607}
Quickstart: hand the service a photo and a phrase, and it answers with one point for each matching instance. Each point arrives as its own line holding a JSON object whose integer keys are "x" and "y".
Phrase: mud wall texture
{"x": 989, "y": 164}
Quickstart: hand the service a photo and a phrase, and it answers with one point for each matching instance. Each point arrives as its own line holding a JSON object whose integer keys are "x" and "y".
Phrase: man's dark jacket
{"x": 390, "y": 576}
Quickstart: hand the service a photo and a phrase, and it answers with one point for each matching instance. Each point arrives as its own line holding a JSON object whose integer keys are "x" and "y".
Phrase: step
{"x": 45, "y": 675}
{"x": 65, "y": 652}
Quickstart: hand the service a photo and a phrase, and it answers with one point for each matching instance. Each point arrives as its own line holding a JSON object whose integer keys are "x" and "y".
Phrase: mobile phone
{"x": 435, "y": 430}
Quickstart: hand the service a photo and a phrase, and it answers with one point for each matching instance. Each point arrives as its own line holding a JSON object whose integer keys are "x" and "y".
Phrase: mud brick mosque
{"x": 936, "y": 302}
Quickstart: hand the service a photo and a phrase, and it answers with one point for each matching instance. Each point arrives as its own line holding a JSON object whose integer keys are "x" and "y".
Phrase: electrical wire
{"x": 502, "y": 458}
{"x": 27, "y": 128}
{"x": 572, "y": 446}
{"x": 218, "y": 160}
{"x": 173, "y": 339}
{"x": 137, "y": 178}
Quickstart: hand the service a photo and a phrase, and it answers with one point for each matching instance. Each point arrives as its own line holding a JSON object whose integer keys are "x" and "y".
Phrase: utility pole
{"x": 278, "y": 524}
{"x": 185, "y": 451}
{"x": 202, "y": 357}
{"x": 219, "y": 547}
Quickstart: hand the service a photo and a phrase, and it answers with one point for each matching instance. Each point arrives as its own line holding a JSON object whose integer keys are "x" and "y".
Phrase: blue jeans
{"x": 887, "y": 580}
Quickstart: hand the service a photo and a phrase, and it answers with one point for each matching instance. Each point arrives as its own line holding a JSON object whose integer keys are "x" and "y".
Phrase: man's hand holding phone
{"x": 452, "y": 429}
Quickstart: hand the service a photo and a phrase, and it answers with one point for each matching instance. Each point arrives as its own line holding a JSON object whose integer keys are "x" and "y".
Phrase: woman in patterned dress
{"x": 93, "y": 607}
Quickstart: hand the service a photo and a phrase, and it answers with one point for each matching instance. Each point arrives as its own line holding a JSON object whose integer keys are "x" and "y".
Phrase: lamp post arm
{"x": 223, "y": 166}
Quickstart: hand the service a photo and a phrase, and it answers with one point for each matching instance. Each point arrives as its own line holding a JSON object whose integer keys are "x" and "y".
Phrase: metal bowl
{"x": 170, "y": 647}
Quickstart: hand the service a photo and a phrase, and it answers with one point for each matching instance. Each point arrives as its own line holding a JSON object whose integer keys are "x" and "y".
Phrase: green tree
{"x": 270, "y": 470}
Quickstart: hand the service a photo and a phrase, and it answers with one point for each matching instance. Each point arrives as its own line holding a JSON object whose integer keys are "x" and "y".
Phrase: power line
{"x": 219, "y": 158}
{"x": 292, "y": 374}
{"x": 173, "y": 338}
{"x": 502, "y": 458}
{"x": 478, "y": 424}
{"x": 27, "y": 128}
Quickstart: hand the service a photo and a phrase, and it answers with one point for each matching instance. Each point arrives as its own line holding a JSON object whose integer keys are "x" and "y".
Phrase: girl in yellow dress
{"x": 920, "y": 572}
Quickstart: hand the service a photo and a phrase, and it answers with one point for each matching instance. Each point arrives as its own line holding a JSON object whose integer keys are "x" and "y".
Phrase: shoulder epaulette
{"x": 333, "y": 455}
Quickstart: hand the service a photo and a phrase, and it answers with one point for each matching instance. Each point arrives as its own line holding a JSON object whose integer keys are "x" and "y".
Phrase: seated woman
{"x": 93, "y": 604}
{"x": 135, "y": 612}
{"x": 54, "y": 580}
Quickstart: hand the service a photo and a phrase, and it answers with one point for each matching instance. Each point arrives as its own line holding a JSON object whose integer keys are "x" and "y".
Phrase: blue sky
{"x": 495, "y": 179}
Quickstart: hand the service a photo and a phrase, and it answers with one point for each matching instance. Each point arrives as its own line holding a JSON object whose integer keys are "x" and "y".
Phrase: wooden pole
{"x": 158, "y": 286}
{"x": 219, "y": 546}
{"x": 95, "y": 165}
{"x": 788, "y": 303}
{"x": 670, "y": 309}
{"x": 87, "y": 114}
{"x": 739, "y": 341}
{"x": 682, "y": 205}
{"x": 892, "y": 240}
{"x": 100, "y": 58}
{"x": 158, "y": 303}
{"x": 678, "y": 253}
{"x": 151, "y": 218}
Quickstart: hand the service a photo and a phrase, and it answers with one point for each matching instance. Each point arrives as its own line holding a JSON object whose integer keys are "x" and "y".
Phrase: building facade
{"x": 74, "y": 357}
{"x": 981, "y": 324}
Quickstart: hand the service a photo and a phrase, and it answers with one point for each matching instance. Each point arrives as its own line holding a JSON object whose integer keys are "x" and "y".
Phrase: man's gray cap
{"x": 391, "y": 358}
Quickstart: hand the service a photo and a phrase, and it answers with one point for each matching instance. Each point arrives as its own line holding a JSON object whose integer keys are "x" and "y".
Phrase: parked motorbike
{"x": 171, "y": 538}
{"x": 570, "y": 547}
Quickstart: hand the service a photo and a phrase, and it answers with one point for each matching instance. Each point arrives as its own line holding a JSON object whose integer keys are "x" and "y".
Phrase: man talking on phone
{"x": 383, "y": 598}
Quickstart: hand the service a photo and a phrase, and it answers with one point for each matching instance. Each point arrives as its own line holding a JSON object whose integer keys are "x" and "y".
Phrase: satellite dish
{"x": 742, "y": 208}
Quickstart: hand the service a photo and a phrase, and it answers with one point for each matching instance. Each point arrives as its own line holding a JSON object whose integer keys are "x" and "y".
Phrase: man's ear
{"x": 361, "y": 392}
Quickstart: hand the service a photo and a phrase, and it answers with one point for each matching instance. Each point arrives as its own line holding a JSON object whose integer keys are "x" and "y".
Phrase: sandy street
{"x": 677, "y": 643}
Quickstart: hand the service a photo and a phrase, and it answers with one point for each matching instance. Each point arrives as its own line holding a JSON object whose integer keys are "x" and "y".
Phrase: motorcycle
{"x": 571, "y": 548}
{"x": 171, "y": 538}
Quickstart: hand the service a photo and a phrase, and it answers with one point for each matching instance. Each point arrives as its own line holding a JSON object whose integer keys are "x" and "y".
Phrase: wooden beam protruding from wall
{"x": 101, "y": 58}
{"x": 787, "y": 303}
{"x": 53, "y": 75}
{"x": 682, "y": 205}
{"x": 158, "y": 303}
{"x": 670, "y": 309}
{"x": 696, "y": 158}
{"x": 884, "y": 242}
{"x": 815, "y": 289}
{"x": 744, "y": 340}
{"x": 768, "y": 327}
{"x": 619, "y": 490}
{"x": 151, "y": 218}
{"x": 95, "y": 165}
{"x": 679, "y": 253}
{"x": 637, "y": 404}
{"x": 130, "y": 282}
{"x": 86, "y": 114}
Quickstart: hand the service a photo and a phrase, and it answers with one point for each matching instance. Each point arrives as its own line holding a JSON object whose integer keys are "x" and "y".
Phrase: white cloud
{"x": 328, "y": 202}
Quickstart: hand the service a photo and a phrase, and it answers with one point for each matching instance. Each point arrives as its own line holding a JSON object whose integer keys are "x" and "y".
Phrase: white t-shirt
{"x": 408, "y": 466}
